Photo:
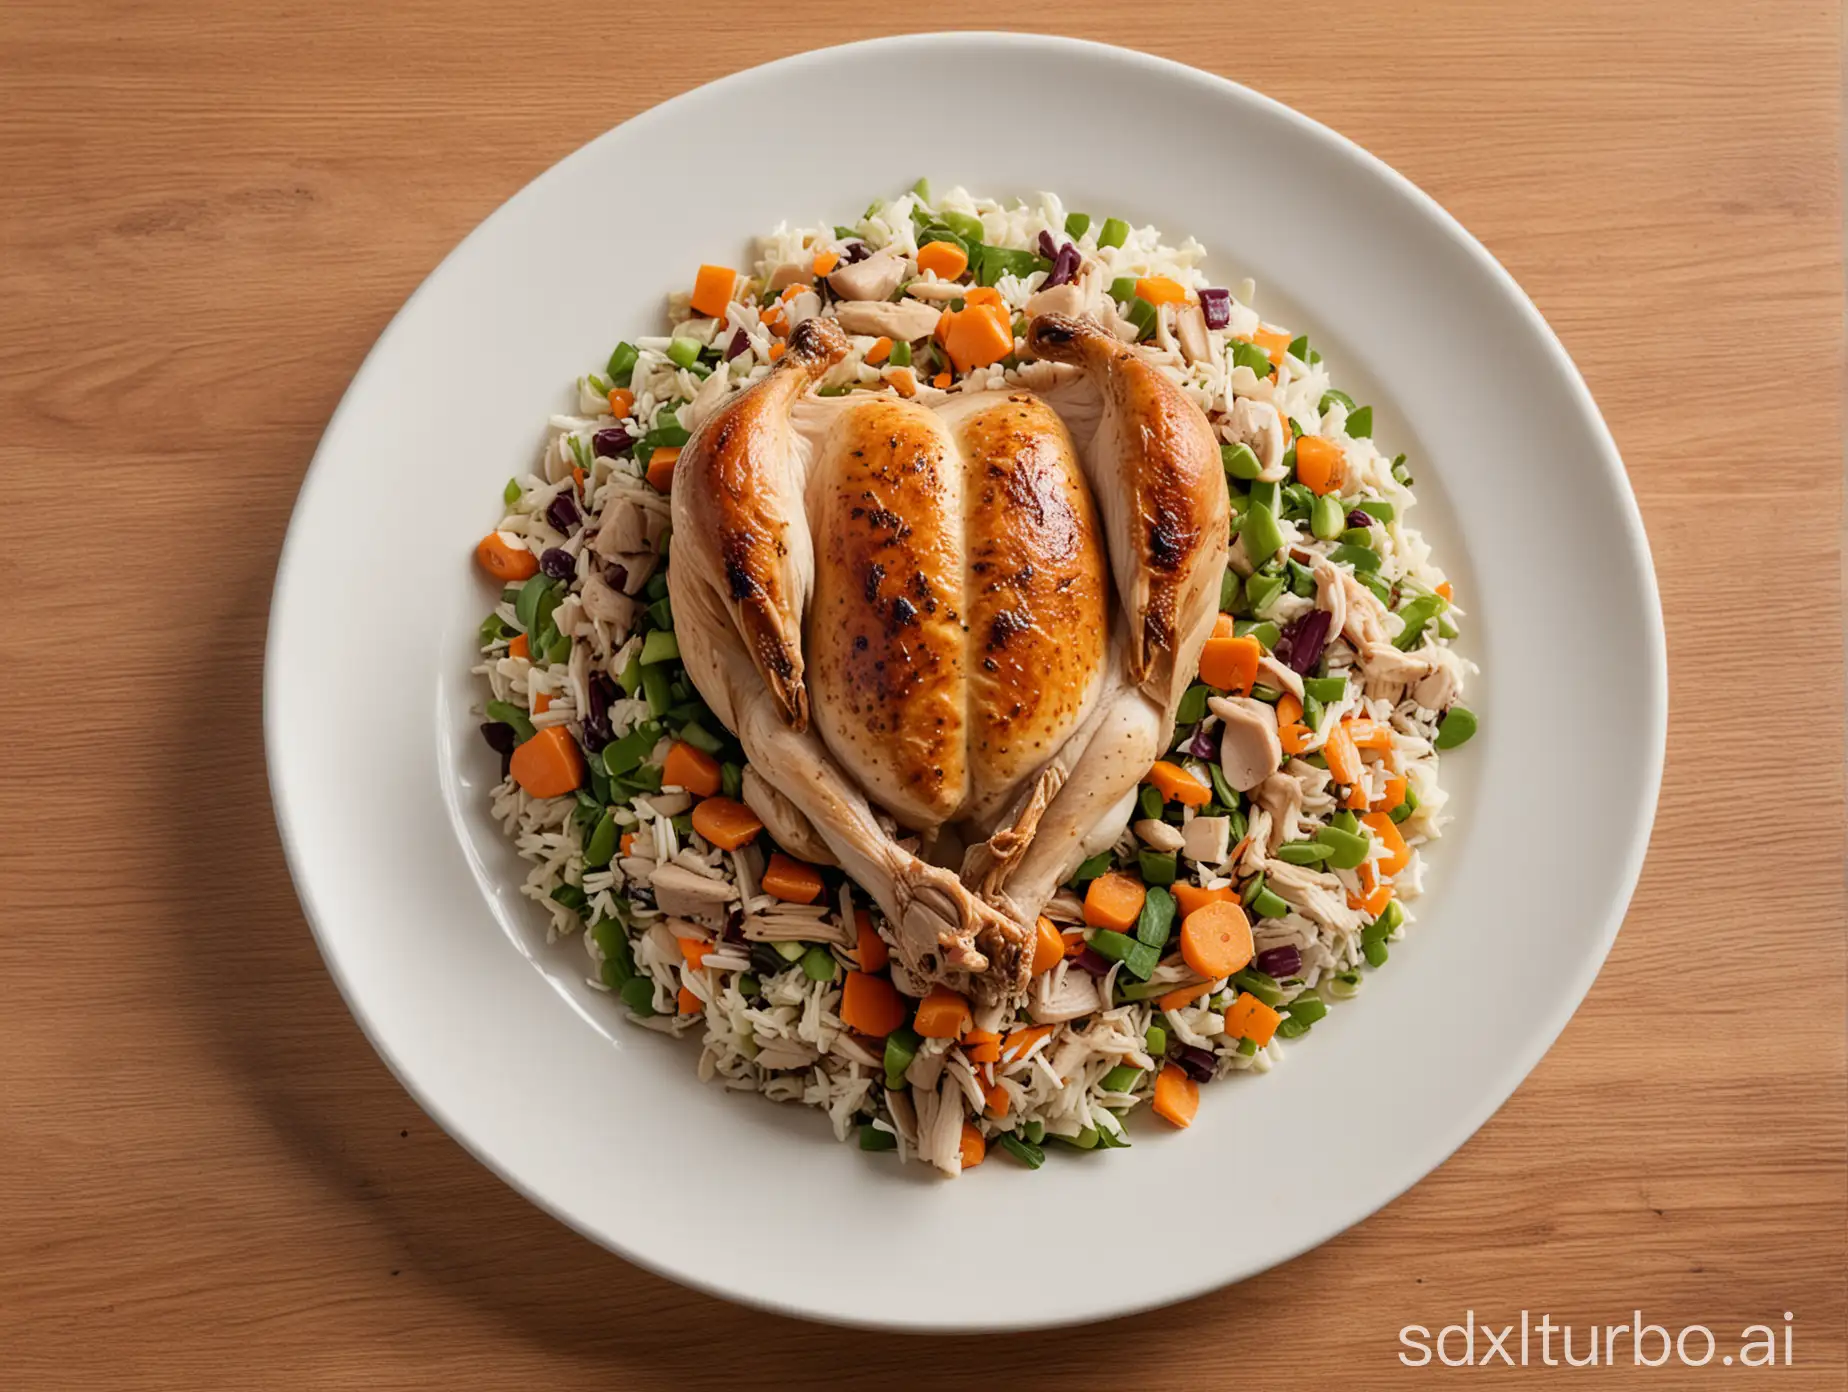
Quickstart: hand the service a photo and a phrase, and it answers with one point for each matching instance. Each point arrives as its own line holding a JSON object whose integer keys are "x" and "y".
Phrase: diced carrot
{"x": 880, "y": 351}
{"x": 661, "y": 467}
{"x": 712, "y": 290}
{"x": 1223, "y": 626}
{"x": 503, "y": 561}
{"x": 628, "y": 843}
{"x": 688, "y": 1002}
{"x": 824, "y": 262}
{"x": 943, "y": 1014}
{"x": 578, "y": 476}
{"x": 974, "y": 1149}
{"x": 777, "y": 349}
{"x": 981, "y": 1046}
{"x": 1216, "y": 939}
{"x": 1015, "y": 1046}
{"x": 1183, "y": 995}
{"x": 1273, "y": 342}
{"x": 622, "y": 401}
{"x": 694, "y": 951}
{"x": 1369, "y": 734}
{"x": 1048, "y": 946}
{"x": 1375, "y": 891}
{"x": 541, "y": 703}
{"x": 520, "y": 647}
{"x": 946, "y": 260}
{"x": 996, "y": 1097}
{"x": 1073, "y": 939}
{"x": 548, "y": 765}
{"x": 1392, "y": 797}
{"x": 775, "y": 320}
{"x": 1343, "y": 758}
{"x": 904, "y": 381}
{"x": 1356, "y": 799}
{"x": 1177, "y": 1096}
{"x": 1292, "y": 734}
{"x": 1250, "y": 1018}
{"x": 1445, "y": 590}
{"x": 979, "y": 335}
{"x": 1189, "y": 897}
{"x": 1114, "y": 900}
{"x": 1231, "y": 664}
{"x": 985, "y": 295}
{"x": 791, "y": 880}
{"x": 942, "y": 381}
{"x": 1381, "y": 826}
{"x": 869, "y": 947}
{"x": 871, "y": 1005}
{"x": 725, "y": 822}
{"x": 1160, "y": 290}
{"x": 690, "y": 768}
{"x": 1319, "y": 465}
{"x": 790, "y": 292}
{"x": 1176, "y": 784}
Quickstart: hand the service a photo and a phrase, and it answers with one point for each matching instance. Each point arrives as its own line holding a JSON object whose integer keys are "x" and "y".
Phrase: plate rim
{"x": 1653, "y": 662}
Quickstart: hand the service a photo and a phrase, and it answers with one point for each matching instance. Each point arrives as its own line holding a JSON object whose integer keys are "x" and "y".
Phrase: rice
{"x": 683, "y": 932}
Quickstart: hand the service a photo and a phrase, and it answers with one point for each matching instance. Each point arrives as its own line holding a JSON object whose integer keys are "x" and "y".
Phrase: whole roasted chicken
{"x": 951, "y": 637}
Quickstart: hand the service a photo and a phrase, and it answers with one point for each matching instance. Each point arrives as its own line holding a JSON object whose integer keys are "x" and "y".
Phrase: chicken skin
{"x": 906, "y": 614}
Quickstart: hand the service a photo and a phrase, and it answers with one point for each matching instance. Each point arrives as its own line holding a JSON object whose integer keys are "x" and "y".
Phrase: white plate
{"x": 381, "y": 780}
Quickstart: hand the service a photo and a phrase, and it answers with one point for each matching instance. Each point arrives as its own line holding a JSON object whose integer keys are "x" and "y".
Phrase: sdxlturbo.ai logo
{"x": 1473, "y": 1345}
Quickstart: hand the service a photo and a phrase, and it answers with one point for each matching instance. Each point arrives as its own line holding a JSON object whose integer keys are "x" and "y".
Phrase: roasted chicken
{"x": 951, "y": 637}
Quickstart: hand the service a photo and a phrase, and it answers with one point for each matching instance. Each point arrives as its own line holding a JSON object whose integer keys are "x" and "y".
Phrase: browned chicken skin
{"x": 902, "y": 608}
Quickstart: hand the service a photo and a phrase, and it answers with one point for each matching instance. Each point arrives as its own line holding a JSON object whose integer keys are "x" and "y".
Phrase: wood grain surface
{"x": 207, "y": 1179}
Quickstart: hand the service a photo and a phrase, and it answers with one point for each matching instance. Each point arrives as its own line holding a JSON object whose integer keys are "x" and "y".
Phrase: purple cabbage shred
{"x": 1357, "y": 518}
{"x": 563, "y": 513}
{"x": 739, "y": 342}
{"x": 1280, "y": 962}
{"x": 500, "y": 737}
{"x": 597, "y": 728}
{"x": 1300, "y": 646}
{"x": 1216, "y": 305}
{"x": 557, "y": 563}
{"x": 616, "y": 576}
{"x": 1094, "y": 962}
{"x": 1201, "y": 746}
{"x": 855, "y": 251}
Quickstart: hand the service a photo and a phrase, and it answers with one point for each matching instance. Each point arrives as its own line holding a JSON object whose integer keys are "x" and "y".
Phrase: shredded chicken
{"x": 1158, "y": 835}
{"x": 1258, "y": 425}
{"x": 1249, "y": 748}
{"x": 1205, "y": 840}
{"x": 1063, "y": 993}
{"x": 875, "y": 278}
{"x": 1281, "y": 797}
{"x": 684, "y": 894}
{"x": 1316, "y": 894}
{"x": 901, "y": 321}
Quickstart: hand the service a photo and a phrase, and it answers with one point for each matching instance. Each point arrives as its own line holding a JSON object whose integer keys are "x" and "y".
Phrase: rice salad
{"x": 622, "y": 791}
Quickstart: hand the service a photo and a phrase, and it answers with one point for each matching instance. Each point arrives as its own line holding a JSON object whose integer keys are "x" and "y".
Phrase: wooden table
{"x": 209, "y": 210}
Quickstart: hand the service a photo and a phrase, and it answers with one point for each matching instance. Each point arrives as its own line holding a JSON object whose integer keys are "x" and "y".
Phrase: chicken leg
{"x": 741, "y": 575}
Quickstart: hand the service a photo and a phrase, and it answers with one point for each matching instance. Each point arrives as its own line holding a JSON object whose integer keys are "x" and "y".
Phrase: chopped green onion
{"x": 1327, "y": 690}
{"x": 1359, "y": 427}
{"x": 1143, "y": 315}
{"x": 1330, "y": 398}
{"x": 1358, "y": 536}
{"x": 1375, "y": 953}
{"x": 1091, "y": 868}
{"x": 1033, "y": 1132}
{"x": 901, "y": 353}
{"x": 1344, "y": 985}
{"x": 1299, "y": 348}
{"x": 1248, "y": 1047}
{"x": 683, "y": 352}
{"x": 901, "y": 1047}
{"x": 1077, "y": 224}
{"x": 1269, "y": 904}
{"x": 920, "y": 190}
{"x": 654, "y": 689}
{"x": 1191, "y": 710}
{"x": 1267, "y": 634}
{"x": 790, "y": 951}
{"x": 1115, "y": 232}
{"x": 1122, "y": 1078}
{"x": 1155, "y": 1041}
{"x": 1312, "y": 712}
{"x": 625, "y": 754}
{"x": 1084, "y": 1140}
{"x": 873, "y": 1139}
{"x": 1307, "y": 1007}
{"x": 1290, "y": 1027}
{"x": 1304, "y": 852}
{"x": 511, "y": 493}
{"x": 1378, "y": 509}
{"x": 1231, "y": 591}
